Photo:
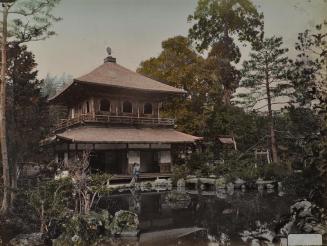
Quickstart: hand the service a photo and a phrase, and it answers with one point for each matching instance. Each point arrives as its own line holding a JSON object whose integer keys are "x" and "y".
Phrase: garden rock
{"x": 181, "y": 183}
{"x": 34, "y": 239}
{"x": 301, "y": 208}
{"x": 238, "y": 183}
{"x": 125, "y": 223}
{"x": 230, "y": 186}
{"x": 146, "y": 186}
{"x": 261, "y": 235}
{"x": 162, "y": 184}
{"x": 305, "y": 217}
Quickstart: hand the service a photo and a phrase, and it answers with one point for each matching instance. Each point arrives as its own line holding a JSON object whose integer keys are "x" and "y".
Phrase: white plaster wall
{"x": 133, "y": 157}
{"x": 165, "y": 157}
{"x": 66, "y": 159}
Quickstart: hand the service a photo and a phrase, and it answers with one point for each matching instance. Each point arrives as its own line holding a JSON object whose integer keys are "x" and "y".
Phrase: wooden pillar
{"x": 76, "y": 152}
{"x": 66, "y": 155}
{"x": 92, "y": 107}
{"x": 55, "y": 153}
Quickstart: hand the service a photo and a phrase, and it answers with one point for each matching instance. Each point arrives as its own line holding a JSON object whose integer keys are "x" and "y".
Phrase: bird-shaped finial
{"x": 109, "y": 51}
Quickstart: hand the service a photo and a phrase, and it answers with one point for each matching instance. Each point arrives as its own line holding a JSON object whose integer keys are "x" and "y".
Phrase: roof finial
{"x": 109, "y": 51}
{"x": 109, "y": 58}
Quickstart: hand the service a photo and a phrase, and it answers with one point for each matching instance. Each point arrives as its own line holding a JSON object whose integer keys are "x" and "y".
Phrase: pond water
{"x": 167, "y": 215}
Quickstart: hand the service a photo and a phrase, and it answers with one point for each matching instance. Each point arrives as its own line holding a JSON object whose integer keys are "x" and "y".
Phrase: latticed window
{"x": 147, "y": 108}
{"x": 127, "y": 107}
{"x": 104, "y": 105}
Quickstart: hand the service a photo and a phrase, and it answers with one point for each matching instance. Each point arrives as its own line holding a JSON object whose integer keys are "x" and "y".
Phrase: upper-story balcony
{"x": 114, "y": 120}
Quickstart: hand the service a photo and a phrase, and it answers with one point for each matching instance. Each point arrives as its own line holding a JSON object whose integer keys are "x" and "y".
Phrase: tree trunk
{"x": 42, "y": 217}
{"x": 13, "y": 149}
{"x": 227, "y": 91}
{"x": 227, "y": 95}
{"x": 273, "y": 142}
{"x": 3, "y": 133}
{"x": 13, "y": 182}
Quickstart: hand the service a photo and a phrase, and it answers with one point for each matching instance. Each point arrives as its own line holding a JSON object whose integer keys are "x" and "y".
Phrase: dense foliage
{"x": 217, "y": 25}
{"x": 28, "y": 114}
{"x": 206, "y": 110}
{"x": 298, "y": 124}
{"x": 178, "y": 65}
{"x": 309, "y": 76}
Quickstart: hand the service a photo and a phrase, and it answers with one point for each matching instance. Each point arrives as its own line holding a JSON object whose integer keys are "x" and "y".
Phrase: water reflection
{"x": 224, "y": 214}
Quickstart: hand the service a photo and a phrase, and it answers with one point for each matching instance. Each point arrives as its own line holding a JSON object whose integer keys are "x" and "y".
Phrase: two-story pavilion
{"x": 115, "y": 113}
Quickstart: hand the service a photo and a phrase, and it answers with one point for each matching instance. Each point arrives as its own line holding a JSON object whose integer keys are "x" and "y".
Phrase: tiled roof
{"x": 114, "y": 75}
{"x": 126, "y": 135}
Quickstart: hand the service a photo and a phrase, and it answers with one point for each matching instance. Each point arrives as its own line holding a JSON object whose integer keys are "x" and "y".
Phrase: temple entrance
{"x": 110, "y": 161}
{"x": 149, "y": 161}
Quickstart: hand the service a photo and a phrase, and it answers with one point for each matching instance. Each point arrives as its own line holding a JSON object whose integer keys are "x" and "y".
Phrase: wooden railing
{"x": 110, "y": 119}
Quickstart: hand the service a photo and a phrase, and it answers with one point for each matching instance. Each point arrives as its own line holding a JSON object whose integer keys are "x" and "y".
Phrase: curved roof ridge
{"x": 115, "y": 75}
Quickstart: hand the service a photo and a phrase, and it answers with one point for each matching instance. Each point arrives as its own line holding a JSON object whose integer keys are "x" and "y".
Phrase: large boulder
{"x": 34, "y": 239}
{"x": 230, "y": 186}
{"x": 261, "y": 236}
{"x": 181, "y": 183}
{"x": 125, "y": 223}
{"x": 238, "y": 183}
{"x": 305, "y": 217}
{"x": 146, "y": 186}
{"x": 162, "y": 184}
{"x": 302, "y": 208}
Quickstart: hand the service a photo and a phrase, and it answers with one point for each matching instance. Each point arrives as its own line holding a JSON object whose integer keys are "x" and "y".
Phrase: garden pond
{"x": 180, "y": 217}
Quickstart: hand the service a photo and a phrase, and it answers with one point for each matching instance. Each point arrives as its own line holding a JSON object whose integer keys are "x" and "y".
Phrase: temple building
{"x": 114, "y": 113}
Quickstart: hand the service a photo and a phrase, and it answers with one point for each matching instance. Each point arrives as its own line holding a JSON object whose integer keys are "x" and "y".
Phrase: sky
{"x": 134, "y": 29}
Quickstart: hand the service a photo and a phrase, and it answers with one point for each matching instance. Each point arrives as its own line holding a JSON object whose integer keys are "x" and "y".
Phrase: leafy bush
{"x": 235, "y": 165}
{"x": 84, "y": 229}
{"x": 200, "y": 163}
{"x": 50, "y": 199}
{"x": 274, "y": 171}
{"x": 179, "y": 171}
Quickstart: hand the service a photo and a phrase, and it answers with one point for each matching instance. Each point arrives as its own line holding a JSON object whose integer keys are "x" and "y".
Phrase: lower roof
{"x": 125, "y": 135}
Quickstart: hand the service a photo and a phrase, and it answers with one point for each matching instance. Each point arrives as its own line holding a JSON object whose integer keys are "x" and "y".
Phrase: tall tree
{"x": 217, "y": 25}
{"x": 309, "y": 76}
{"x": 264, "y": 75}
{"x": 29, "y": 21}
{"x": 309, "y": 71}
{"x": 3, "y": 108}
{"x": 26, "y": 105}
{"x": 178, "y": 65}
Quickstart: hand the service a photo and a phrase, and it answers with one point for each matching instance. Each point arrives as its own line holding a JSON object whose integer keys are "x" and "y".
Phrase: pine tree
{"x": 27, "y": 21}
{"x": 264, "y": 76}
